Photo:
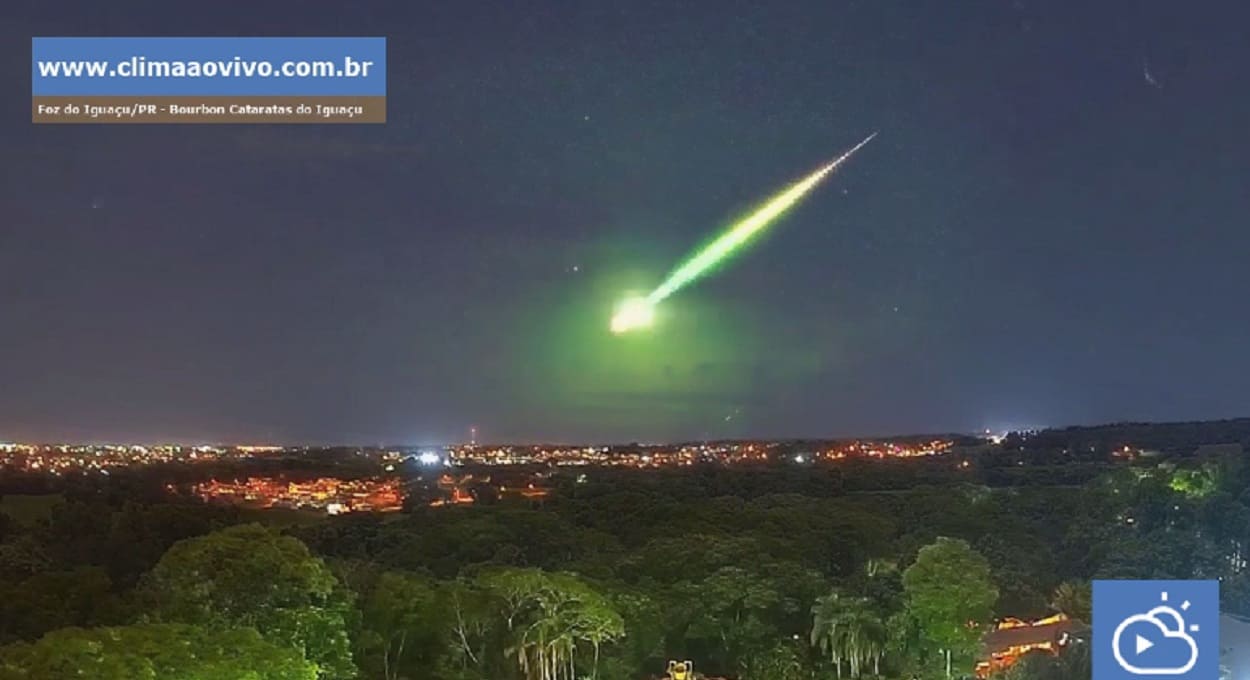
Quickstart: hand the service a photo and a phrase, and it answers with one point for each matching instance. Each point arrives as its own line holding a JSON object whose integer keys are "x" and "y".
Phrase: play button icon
{"x": 1178, "y": 636}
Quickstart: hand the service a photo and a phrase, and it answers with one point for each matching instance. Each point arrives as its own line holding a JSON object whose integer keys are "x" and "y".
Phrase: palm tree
{"x": 828, "y": 627}
{"x": 849, "y": 631}
{"x": 545, "y": 650}
{"x": 556, "y": 617}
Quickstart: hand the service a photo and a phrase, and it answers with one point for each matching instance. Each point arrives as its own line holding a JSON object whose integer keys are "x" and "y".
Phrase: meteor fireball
{"x": 637, "y": 313}
{"x": 633, "y": 313}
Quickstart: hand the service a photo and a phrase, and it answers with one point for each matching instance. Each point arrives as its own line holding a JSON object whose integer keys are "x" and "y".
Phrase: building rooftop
{"x": 1013, "y": 633}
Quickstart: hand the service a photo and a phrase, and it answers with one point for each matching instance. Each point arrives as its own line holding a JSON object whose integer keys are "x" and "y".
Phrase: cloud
{"x": 1151, "y": 618}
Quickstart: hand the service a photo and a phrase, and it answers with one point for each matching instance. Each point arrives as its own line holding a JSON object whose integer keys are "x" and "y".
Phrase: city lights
{"x": 334, "y": 496}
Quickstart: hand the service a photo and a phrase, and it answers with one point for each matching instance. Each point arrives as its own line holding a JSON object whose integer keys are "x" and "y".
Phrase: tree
{"x": 1235, "y": 595}
{"x": 643, "y": 644}
{"x": 153, "y": 652}
{"x": 1023, "y": 569}
{"x": 780, "y": 662}
{"x": 250, "y": 576}
{"x": 1074, "y": 599}
{"x": 22, "y": 556}
{"x": 849, "y": 630}
{"x": 472, "y": 629}
{"x": 147, "y": 531}
{"x": 1196, "y": 483}
{"x": 402, "y": 620}
{"x": 79, "y": 533}
{"x": 57, "y": 599}
{"x": 551, "y": 621}
{"x": 730, "y": 615}
{"x": 949, "y": 590}
{"x": 905, "y": 643}
{"x": 1227, "y": 522}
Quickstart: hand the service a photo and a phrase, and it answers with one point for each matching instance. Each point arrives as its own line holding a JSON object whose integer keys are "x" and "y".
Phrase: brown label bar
{"x": 113, "y": 109}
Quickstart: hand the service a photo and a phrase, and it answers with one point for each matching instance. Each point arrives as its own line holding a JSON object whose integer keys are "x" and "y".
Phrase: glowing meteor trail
{"x": 638, "y": 312}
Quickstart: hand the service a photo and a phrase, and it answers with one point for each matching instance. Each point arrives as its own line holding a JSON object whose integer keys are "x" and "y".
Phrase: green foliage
{"x": 148, "y": 531}
{"x": 850, "y": 631}
{"x": 1235, "y": 595}
{"x": 542, "y": 625}
{"x": 550, "y": 618}
{"x": 1023, "y": 571}
{"x": 57, "y": 599}
{"x": 476, "y": 639}
{"x": 78, "y": 533}
{"x": 949, "y": 592}
{"x": 29, "y": 509}
{"x": 1159, "y": 554}
{"x": 905, "y": 644}
{"x": 643, "y": 645}
{"x": 451, "y": 540}
{"x": 736, "y": 612}
{"x": 153, "y": 652}
{"x": 751, "y": 573}
{"x": 1075, "y": 599}
{"x": 249, "y": 576}
{"x": 1196, "y": 483}
{"x": 91, "y": 532}
{"x": 22, "y": 556}
{"x": 783, "y": 661}
{"x": 402, "y": 625}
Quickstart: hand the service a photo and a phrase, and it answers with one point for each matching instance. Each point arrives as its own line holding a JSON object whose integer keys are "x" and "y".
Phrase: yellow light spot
{"x": 632, "y": 314}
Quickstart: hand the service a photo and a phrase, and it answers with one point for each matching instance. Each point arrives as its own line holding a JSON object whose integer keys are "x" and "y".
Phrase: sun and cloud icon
{"x": 1161, "y": 629}
{"x": 1173, "y": 636}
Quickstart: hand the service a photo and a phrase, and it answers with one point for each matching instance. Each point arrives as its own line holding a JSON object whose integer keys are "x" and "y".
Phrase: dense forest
{"x": 862, "y": 570}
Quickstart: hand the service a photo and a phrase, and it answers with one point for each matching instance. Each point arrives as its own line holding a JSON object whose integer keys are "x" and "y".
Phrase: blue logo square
{"x": 1160, "y": 629}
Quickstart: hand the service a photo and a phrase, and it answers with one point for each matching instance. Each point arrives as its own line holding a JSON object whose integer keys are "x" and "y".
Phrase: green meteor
{"x": 639, "y": 312}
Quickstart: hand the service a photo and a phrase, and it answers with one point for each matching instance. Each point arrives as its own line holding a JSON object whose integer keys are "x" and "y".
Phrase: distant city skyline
{"x": 995, "y": 435}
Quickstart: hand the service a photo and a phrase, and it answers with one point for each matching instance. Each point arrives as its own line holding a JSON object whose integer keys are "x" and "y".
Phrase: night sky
{"x": 1051, "y": 227}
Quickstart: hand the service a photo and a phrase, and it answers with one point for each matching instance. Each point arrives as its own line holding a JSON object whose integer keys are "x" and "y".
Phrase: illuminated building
{"x": 334, "y": 496}
{"x": 1013, "y": 638}
{"x": 458, "y": 497}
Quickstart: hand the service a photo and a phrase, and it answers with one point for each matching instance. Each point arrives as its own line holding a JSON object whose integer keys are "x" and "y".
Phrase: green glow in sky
{"x": 637, "y": 313}
{"x": 710, "y": 368}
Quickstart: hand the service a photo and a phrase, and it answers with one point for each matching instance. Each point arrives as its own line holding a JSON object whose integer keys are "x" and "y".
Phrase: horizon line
{"x": 638, "y": 442}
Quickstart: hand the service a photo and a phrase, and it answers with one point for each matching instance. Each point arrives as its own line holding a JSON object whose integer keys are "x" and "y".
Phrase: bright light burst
{"x": 632, "y": 314}
{"x": 639, "y": 312}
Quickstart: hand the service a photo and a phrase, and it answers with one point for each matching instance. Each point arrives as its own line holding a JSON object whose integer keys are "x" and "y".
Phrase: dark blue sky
{"x": 1038, "y": 236}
